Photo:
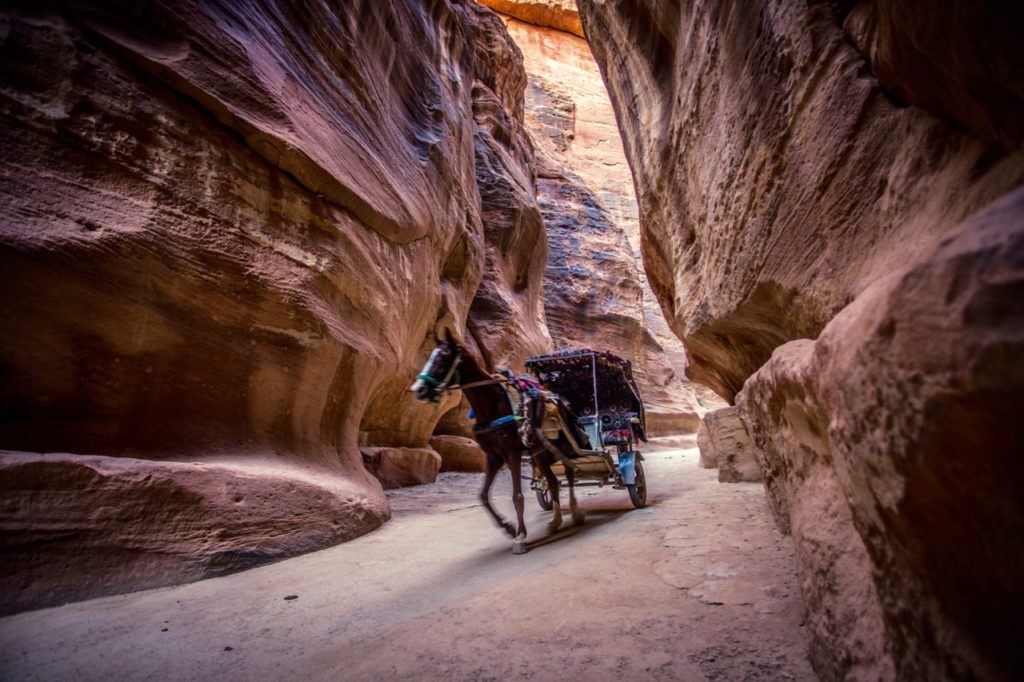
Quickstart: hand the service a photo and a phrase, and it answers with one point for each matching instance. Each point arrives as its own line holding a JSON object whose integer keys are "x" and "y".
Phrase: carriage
{"x": 606, "y": 404}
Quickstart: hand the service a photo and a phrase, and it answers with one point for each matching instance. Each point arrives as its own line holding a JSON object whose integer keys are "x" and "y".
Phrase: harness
{"x": 519, "y": 391}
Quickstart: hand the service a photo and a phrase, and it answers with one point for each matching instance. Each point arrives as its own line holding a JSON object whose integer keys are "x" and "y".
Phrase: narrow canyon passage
{"x": 698, "y": 585}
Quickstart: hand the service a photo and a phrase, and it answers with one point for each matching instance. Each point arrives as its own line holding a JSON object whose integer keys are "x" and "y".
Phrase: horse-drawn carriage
{"x": 582, "y": 410}
{"x": 606, "y": 404}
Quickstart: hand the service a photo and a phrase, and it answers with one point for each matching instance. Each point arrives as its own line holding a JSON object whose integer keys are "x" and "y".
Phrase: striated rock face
{"x": 787, "y": 190}
{"x": 776, "y": 177}
{"x": 230, "y": 231}
{"x": 594, "y": 290}
{"x": 897, "y": 428}
{"x": 558, "y": 14}
{"x": 506, "y": 319}
{"x": 725, "y": 445}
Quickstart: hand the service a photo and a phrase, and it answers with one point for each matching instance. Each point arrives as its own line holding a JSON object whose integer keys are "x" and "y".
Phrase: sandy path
{"x": 697, "y": 586}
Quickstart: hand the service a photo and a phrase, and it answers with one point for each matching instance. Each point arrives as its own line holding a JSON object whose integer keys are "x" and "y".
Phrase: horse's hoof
{"x": 519, "y": 547}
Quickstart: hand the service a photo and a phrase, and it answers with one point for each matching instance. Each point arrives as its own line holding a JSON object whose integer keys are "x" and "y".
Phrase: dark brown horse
{"x": 451, "y": 367}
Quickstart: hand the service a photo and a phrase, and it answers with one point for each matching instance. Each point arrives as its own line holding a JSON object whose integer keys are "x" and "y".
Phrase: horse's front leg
{"x": 577, "y": 514}
{"x": 515, "y": 464}
{"x": 493, "y": 465}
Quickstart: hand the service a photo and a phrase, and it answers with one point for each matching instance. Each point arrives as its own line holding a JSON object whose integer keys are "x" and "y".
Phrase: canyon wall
{"x": 850, "y": 170}
{"x": 595, "y": 291}
{"x": 229, "y": 232}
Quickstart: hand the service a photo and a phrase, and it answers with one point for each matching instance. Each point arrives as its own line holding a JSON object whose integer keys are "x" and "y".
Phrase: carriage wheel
{"x": 544, "y": 498}
{"x": 638, "y": 491}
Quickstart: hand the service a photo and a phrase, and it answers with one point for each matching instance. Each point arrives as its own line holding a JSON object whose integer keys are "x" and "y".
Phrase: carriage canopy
{"x": 596, "y": 383}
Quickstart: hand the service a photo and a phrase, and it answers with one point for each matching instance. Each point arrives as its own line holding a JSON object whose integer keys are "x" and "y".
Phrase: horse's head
{"x": 440, "y": 370}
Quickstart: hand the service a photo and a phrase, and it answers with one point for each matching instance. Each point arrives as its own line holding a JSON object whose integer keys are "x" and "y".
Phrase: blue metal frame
{"x": 627, "y": 467}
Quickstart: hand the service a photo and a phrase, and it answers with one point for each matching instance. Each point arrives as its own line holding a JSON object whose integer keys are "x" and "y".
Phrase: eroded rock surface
{"x": 777, "y": 179}
{"x": 903, "y": 410}
{"x": 594, "y": 290}
{"x": 558, "y": 14}
{"x": 787, "y": 190}
{"x": 77, "y": 526}
{"x": 230, "y": 231}
{"x": 458, "y": 453}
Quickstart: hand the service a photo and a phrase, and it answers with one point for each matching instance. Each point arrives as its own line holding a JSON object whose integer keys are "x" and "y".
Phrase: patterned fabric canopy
{"x": 581, "y": 375}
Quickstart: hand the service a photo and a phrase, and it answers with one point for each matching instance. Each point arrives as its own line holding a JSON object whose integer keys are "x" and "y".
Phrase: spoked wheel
{"x": 638, "y": 491}
{"x": 544, "y": 498}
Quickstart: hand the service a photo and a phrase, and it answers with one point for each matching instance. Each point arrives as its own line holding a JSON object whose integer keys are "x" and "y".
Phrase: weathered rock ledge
{"x": 76, "y": 527}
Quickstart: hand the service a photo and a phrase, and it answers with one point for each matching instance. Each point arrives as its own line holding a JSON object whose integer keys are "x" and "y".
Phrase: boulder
{"x": 459, "y": 454}
{"x": 708, "y": 456}
{"x": 725, "y": 445}
{"x": 401, "y": 467}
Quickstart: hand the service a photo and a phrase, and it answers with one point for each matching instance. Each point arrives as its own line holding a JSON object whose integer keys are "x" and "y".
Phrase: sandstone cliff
{"x": 850, "y": 164}
{"x": 595, "y": 292}
{"x": 229, "y": 232}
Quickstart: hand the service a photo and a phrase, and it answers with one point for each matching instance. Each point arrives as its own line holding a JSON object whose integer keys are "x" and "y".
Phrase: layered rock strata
{"x": 594, "y": 288}
{"x": 785, "y": 178}
{"x": 229, "y": 234}
{"x": 777, "y": 177}
{"x": 896, "y": 429}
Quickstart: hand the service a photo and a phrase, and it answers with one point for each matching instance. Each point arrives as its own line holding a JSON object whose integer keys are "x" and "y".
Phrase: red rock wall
{"x": 850, "y": 169}
{"x": 594, "y": 290}
{"x": 777, "y": 178}
{"x": 229, "y": 231}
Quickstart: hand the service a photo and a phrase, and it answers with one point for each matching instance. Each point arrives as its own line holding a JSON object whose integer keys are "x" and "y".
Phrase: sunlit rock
{"x": 557, "y": 14}
{"x": 595, "y": 294}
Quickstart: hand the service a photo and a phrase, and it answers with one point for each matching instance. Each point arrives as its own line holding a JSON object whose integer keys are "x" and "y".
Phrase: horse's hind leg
{"x": 493, "y": 464}
{"x": 577, "y": 514}
{"x": 556, "y": 506}
{"x": 515, "y": 464}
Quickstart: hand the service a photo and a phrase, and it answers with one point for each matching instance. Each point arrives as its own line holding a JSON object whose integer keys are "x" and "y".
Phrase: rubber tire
{"x": 638, "y": 491}
{"x": 544, "y": 499}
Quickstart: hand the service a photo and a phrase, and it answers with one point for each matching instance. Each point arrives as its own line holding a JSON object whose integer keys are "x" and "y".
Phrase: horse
{"x": 451, "y": 367}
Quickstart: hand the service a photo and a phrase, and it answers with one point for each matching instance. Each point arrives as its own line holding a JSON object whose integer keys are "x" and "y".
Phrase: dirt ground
{"x": 697, "y": 586}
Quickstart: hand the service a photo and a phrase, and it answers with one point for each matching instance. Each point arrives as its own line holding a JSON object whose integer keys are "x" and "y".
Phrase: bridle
{"x": 445, "y": 384}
